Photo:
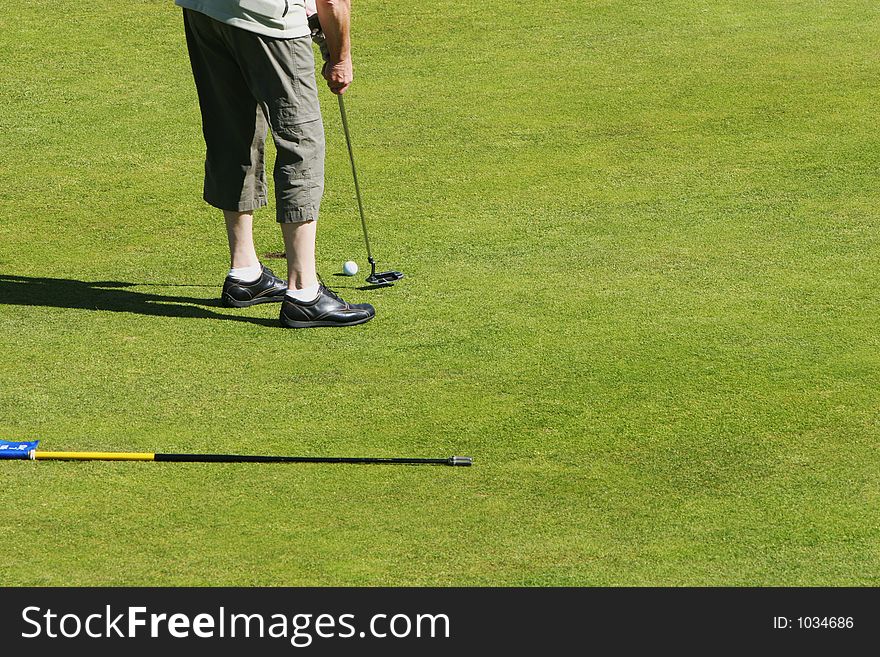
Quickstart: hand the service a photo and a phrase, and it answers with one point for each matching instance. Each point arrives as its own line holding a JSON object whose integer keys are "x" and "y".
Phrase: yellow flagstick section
{"x": 93, "y": 456}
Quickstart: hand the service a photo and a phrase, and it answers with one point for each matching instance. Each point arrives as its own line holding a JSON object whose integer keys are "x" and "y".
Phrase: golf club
{"x": 375, "y": 278}
{"x": 28, "y": 450}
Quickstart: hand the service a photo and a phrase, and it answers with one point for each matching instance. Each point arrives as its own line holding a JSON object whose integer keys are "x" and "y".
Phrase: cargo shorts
{"x": 249, "y": 84}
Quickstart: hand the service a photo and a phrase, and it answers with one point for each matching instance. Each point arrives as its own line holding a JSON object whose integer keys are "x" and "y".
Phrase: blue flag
{"x": 16, "y": 450}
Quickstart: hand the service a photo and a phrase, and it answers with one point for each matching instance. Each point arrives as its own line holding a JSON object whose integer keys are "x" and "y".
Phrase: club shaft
{"x": 240, "y": 458}
{"x": 357, "y": 187}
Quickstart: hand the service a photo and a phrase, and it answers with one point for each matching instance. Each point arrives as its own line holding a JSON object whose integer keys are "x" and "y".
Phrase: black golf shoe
{"x": 267, "y": 288}
{"x": 326, "y": 310}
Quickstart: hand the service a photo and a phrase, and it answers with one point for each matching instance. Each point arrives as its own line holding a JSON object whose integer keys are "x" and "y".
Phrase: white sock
{"x": 306, "y": 294}
{"x": 246, "y": 274}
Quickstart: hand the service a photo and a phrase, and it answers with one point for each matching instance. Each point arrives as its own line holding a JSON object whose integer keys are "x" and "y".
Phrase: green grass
{"x": 641, "y": 242}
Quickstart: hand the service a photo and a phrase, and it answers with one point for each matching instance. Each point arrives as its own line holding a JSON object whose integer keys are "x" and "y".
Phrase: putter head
{"x": 384, "y": 277}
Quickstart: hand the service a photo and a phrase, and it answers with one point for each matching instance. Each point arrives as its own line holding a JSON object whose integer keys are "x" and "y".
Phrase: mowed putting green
{"x": 641, "y": 242}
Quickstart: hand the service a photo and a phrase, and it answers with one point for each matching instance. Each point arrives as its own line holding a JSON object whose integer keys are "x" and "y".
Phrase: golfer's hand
{"x": 338, "y": 75}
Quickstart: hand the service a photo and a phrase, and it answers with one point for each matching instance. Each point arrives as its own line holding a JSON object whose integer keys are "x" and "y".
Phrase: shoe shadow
{"x": 113, "y": 296}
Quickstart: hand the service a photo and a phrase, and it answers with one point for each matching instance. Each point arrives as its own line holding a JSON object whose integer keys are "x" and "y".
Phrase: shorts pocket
{"x": 287, "y": 119}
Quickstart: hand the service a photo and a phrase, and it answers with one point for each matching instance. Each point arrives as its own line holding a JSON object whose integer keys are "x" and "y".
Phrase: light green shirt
{"x": 283, "y": 19}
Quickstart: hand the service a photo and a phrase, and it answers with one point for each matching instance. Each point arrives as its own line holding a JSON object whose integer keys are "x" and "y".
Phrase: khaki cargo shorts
{"x": 247, "y": 84}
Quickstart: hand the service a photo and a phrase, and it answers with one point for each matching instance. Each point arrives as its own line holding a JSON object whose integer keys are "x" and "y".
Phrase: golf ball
{"x": 350, "y": 268}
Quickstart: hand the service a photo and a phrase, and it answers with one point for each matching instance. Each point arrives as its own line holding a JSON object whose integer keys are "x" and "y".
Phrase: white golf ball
{"x": 350, "y": 268}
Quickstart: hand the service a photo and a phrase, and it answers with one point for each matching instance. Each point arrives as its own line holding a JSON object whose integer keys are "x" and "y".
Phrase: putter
{"x": 381, "y": 278}
{"x": 28, "y": 450}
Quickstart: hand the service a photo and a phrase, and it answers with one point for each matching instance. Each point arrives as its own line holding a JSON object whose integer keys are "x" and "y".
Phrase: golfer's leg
{"x": 299, "y": 178}
{"x": 281, "y": 76}
{"x": 299, "y": 241}
{"x": 240, "y": 232}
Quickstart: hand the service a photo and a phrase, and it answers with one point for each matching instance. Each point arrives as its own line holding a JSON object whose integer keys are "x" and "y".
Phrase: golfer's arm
{"x": 335, "y": 19}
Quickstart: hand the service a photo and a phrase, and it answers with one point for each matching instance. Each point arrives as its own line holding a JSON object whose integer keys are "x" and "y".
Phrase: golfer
{"x": 254, "y": 71}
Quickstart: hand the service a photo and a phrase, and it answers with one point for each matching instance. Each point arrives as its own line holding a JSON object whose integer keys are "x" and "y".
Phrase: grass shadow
{"x": 113, "y": 296}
